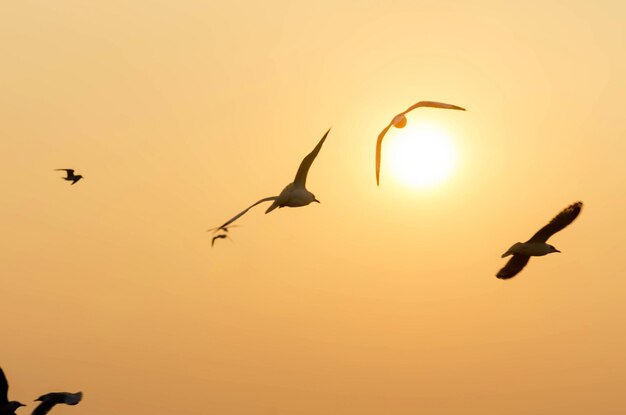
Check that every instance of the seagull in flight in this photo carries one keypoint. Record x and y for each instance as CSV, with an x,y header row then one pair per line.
x,y
294,194
220,228
6,407
399,121
70,175
50,399
537,246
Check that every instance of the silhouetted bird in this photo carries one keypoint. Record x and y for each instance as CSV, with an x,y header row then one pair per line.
x,y
70,175
222,228
221,236
295,194
399,121
537,246
50,399
6,407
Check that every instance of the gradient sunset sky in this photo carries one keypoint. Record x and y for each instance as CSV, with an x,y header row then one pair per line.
x,y
379,300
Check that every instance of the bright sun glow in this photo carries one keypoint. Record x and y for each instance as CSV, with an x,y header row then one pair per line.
x,y
420,155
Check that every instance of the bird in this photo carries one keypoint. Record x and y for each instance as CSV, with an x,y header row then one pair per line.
x,y
50,399
219,228
70,175
220,236
536,245
399,121
6,407
294,194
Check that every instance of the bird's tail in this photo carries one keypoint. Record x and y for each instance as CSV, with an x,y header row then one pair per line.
x,y
273,206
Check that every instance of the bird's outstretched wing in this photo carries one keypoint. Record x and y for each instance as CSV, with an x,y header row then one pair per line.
x,y
219,228
53,398
559,222
70,172
72,398
243,212
4,389
433,104
221,236
303,170
513,266
379,142
44,407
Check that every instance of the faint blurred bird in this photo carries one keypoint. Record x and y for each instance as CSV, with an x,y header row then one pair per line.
x,y
220,236
220,228
537,246
6,407
399,121
295,194
50,399
70,175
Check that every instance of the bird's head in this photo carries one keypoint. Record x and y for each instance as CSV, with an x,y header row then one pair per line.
x,y
13,405
514,249
553,249
399,121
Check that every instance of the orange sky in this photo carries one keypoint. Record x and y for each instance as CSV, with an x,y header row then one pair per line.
x,y
379,300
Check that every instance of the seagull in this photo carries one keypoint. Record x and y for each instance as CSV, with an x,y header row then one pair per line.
x,y
50,399
399,121
220,236
6,407
219,228
70,175
294,194
537,246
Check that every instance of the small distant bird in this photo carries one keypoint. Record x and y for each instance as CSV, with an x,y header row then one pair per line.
x,y
537,246
399,121
50,399
6,407
294,194
220,236
220,228
70,175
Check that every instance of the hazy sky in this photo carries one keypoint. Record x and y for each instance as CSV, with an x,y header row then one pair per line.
x,y
379,300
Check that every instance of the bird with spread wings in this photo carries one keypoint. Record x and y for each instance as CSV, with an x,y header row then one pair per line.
x,y
399,121
295,194
536,245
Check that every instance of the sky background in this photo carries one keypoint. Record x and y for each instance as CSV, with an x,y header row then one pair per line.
x,y
379,300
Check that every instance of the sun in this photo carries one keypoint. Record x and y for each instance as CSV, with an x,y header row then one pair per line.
x,y
420,155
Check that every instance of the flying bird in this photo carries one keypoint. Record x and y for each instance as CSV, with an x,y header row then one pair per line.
x,y
70,175
6,407
294,194
50,399
220,236
537,246
399,121
220,228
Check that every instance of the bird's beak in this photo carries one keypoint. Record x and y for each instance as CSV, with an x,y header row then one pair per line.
x,y
21,404
315,200
556,250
